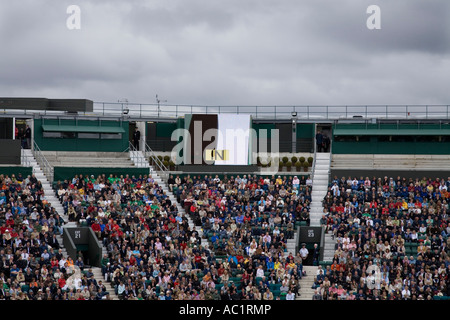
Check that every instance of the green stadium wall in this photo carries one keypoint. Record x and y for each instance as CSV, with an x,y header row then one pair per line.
x,y
411,139
78,144
63,173
25,171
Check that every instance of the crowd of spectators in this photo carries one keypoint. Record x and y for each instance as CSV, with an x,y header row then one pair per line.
x,y
154,254
392,238
264,208
32,265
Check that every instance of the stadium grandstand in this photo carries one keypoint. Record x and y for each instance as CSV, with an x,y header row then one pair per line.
x,y
125,201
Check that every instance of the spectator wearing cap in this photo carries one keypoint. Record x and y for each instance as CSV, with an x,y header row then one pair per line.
x,y
304,253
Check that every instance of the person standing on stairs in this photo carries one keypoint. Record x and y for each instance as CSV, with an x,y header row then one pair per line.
x,y
28,136
22,138
326,143
299,262
319,141
304,252
316,254
136,138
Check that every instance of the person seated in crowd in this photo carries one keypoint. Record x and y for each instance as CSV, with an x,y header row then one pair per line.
x,y
386,223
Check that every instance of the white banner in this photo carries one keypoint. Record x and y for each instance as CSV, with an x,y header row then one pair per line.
x,y
233,139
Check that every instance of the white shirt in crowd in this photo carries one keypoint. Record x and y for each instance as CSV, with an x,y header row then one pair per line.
x,y
290,296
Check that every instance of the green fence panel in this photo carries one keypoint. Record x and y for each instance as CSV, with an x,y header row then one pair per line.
x,y
63,173
25,171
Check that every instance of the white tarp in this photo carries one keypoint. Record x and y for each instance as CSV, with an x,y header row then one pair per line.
x,y
233,135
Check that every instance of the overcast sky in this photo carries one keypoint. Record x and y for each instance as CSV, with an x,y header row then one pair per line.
x,y
228,52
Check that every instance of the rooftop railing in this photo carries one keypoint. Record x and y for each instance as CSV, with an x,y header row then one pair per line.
x,y
316,112
280,112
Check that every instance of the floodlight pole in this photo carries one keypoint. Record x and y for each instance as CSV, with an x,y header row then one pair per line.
x,y
294,132
158,101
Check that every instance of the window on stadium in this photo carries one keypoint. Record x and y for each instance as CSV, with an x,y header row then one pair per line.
x,y
87,135
111,136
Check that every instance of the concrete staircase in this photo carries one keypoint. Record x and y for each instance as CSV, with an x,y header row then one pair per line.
x,y
98,276
319,187
329,247
391,162
319,191
292,244
61,245
306,292
141,161
88,159
49,193
138,159
172,198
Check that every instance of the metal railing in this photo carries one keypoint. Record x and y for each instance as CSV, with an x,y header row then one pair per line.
x,y
42,161
278,112
331,156
24,158
317,112
137,157
322,243
313,169
161,169
69,245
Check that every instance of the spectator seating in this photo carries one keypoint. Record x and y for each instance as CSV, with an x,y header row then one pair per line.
x,y
396,226
32,265
153,254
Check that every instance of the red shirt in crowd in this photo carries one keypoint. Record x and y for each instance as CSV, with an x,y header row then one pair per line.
x,y
96,227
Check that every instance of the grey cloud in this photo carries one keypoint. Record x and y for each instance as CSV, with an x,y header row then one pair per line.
x,y
258,52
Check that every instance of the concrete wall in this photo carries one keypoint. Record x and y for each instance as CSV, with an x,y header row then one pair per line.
x,y
10,151
142,127
381,173
306,155
391,162
62,173
9,170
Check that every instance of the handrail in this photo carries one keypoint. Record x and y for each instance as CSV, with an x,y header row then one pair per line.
x,y
337,112
134,155
331,155
127,149
24,159
42,161
313,171
164,171
69,245
322,243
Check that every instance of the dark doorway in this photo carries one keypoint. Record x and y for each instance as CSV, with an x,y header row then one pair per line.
x,y
21,126
6,128
325,129
285,136
132,126
83,252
